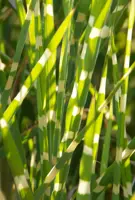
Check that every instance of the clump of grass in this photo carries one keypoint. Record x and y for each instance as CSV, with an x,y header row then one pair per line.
x,y
63,78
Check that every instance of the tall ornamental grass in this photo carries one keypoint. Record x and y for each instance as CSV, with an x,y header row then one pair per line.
x,y
65,99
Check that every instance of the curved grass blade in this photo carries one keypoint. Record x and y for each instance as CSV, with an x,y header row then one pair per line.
x,y
16,59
